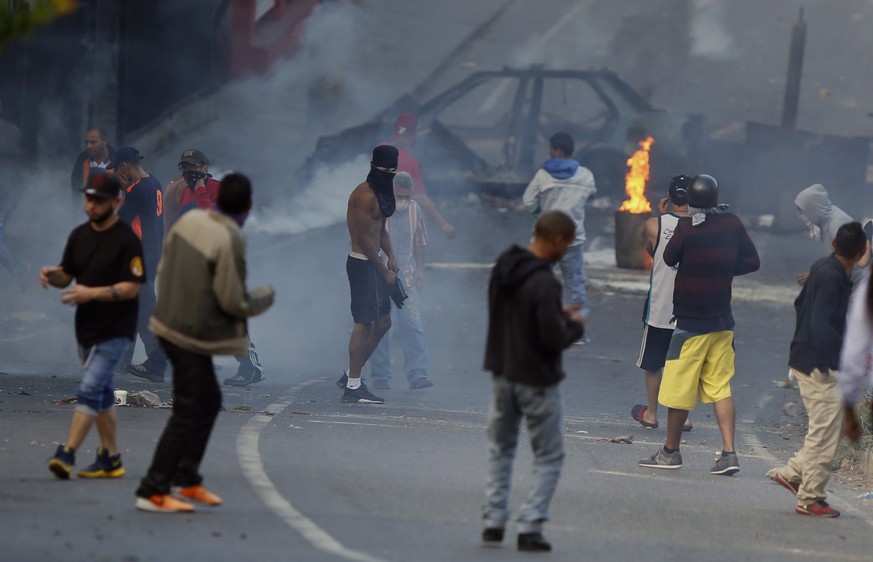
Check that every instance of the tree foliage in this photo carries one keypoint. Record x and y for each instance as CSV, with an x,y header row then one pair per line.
x,y
18,18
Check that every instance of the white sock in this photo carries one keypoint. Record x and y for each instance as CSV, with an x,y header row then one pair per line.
x,y
353,384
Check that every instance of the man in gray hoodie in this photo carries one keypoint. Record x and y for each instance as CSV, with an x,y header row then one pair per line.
x,y
823,219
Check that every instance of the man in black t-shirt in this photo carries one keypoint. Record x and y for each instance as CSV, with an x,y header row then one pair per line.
x,y
104,257
143,211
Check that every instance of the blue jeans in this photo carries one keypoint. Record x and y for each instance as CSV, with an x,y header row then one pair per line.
x,y
408,331
156,359
96,393
542,408
573,274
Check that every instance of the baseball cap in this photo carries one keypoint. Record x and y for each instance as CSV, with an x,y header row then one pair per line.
x,y
406,124
125,154
104,186
194,157
679,189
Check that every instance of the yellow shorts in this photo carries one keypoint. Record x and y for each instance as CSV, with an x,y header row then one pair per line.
x,y
698,365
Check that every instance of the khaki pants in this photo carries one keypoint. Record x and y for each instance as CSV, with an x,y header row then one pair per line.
x,y
811,467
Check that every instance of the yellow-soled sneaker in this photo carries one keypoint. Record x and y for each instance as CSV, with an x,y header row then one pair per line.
x,y
163,503
198,494
62,463
104,466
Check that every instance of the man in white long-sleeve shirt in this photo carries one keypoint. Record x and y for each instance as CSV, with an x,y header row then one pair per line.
x,y
562,184
855,357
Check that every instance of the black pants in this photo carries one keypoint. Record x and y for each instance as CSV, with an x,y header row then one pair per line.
x,y
196,402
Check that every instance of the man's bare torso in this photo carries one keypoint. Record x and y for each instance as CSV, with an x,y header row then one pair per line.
x,y
364,218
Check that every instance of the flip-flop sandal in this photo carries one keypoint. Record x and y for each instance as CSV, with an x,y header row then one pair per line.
x,y
637,414
688,427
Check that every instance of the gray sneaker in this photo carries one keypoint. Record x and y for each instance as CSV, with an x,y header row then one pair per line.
x,y
726,464
663,459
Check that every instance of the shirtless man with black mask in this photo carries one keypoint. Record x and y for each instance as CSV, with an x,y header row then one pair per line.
x,y
370,278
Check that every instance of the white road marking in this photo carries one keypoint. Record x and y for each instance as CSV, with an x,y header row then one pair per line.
x,y
328,422
253,470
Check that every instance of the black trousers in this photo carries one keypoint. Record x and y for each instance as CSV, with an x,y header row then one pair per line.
x,y
196,403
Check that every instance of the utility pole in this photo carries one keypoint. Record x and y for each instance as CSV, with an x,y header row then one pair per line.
x,y
795,71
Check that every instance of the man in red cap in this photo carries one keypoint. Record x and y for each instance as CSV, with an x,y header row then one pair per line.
x,y
405,132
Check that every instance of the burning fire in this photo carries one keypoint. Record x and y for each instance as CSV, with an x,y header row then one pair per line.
x,y
636,178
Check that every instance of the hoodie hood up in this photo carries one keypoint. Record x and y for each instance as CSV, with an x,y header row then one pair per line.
x,y
561,168
815,203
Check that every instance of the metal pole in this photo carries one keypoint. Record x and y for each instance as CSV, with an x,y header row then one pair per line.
x,y
795,71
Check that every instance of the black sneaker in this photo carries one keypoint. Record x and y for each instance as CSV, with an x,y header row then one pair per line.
x,y
143,372
361,395
533,542
248,373
493,534
343,381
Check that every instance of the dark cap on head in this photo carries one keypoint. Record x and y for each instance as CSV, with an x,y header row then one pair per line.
x,y
385,156
194,157
125,154
104,186
679,189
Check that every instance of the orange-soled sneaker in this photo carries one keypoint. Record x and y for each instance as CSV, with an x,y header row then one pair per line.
x,y
817,509
163,503
198,494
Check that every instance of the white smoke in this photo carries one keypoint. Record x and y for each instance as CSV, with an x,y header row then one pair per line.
x,y
322,203
709,33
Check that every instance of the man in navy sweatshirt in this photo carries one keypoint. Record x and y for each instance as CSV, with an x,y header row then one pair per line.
x,y
528,330
710,247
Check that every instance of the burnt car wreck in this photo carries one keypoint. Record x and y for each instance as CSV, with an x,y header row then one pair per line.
x,y
489,133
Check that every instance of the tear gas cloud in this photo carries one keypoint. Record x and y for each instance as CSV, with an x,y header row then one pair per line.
x,y
704,56
321,203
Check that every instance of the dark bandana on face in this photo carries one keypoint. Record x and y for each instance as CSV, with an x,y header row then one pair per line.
x,y
380,180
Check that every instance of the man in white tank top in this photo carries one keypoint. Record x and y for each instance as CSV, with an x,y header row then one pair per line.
x,y
658,322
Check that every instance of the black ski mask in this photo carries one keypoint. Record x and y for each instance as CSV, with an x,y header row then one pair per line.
x,y
381,180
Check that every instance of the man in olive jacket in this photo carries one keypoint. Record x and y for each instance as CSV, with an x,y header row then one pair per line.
x,y
201,311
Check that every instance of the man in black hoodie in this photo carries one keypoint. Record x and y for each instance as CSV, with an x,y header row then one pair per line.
x,y
527,331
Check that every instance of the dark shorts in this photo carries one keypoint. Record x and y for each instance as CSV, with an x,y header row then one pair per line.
x,y
370,299
653,351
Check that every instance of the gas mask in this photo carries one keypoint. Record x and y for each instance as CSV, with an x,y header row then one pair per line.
x,y
193,176
402,205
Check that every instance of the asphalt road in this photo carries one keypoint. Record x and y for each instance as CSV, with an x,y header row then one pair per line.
x,y
305,477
